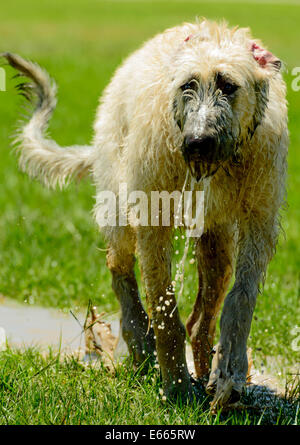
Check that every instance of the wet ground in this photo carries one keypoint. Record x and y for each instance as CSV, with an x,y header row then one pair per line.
x,y
25,325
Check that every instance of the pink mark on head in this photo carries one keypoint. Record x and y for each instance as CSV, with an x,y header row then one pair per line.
x,y
264,57
188,38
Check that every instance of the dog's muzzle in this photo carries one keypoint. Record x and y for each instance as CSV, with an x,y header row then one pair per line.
x,y
203,155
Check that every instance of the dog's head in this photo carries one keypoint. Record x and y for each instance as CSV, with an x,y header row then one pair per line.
x,y
220,96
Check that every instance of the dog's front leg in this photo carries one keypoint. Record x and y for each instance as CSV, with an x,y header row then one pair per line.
x,y
154,250
230,363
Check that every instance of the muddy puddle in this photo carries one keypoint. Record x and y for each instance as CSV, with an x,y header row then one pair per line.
x,y
26,326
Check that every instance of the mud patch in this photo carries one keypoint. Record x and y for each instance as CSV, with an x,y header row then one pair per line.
x,y
31,326
27,326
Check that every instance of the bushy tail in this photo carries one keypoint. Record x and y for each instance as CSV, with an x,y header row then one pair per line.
x,y
41,157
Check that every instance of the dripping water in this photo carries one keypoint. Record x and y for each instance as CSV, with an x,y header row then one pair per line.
x,y
179,275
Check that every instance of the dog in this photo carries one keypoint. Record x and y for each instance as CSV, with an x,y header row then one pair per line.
x,y
201,103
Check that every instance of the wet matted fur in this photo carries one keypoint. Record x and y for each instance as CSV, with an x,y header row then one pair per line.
x,y
201,97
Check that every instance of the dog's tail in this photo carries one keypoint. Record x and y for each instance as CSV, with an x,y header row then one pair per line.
x,y
41,157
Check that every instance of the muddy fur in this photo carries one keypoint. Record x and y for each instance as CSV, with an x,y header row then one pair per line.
x,y
173,87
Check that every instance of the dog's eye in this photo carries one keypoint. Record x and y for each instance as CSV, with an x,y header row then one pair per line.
x,y
228,88
188,86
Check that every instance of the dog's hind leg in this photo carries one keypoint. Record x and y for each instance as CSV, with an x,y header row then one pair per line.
x,y
134,320
214,252
154,249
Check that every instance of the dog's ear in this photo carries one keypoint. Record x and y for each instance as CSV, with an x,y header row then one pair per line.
x,y
268,65
265,58
261,88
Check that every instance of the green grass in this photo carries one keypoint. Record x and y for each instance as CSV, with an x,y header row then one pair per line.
x,y
50,249
38,390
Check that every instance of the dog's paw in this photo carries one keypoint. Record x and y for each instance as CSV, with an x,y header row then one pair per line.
x,y
227,393
182,391
226,382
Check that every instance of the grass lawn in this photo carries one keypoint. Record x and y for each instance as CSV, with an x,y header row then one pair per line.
x,y
38,390
50,248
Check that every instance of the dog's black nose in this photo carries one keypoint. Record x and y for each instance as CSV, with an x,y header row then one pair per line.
x,y
203,148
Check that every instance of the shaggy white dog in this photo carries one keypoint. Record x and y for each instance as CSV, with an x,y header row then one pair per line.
x,y
201,98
